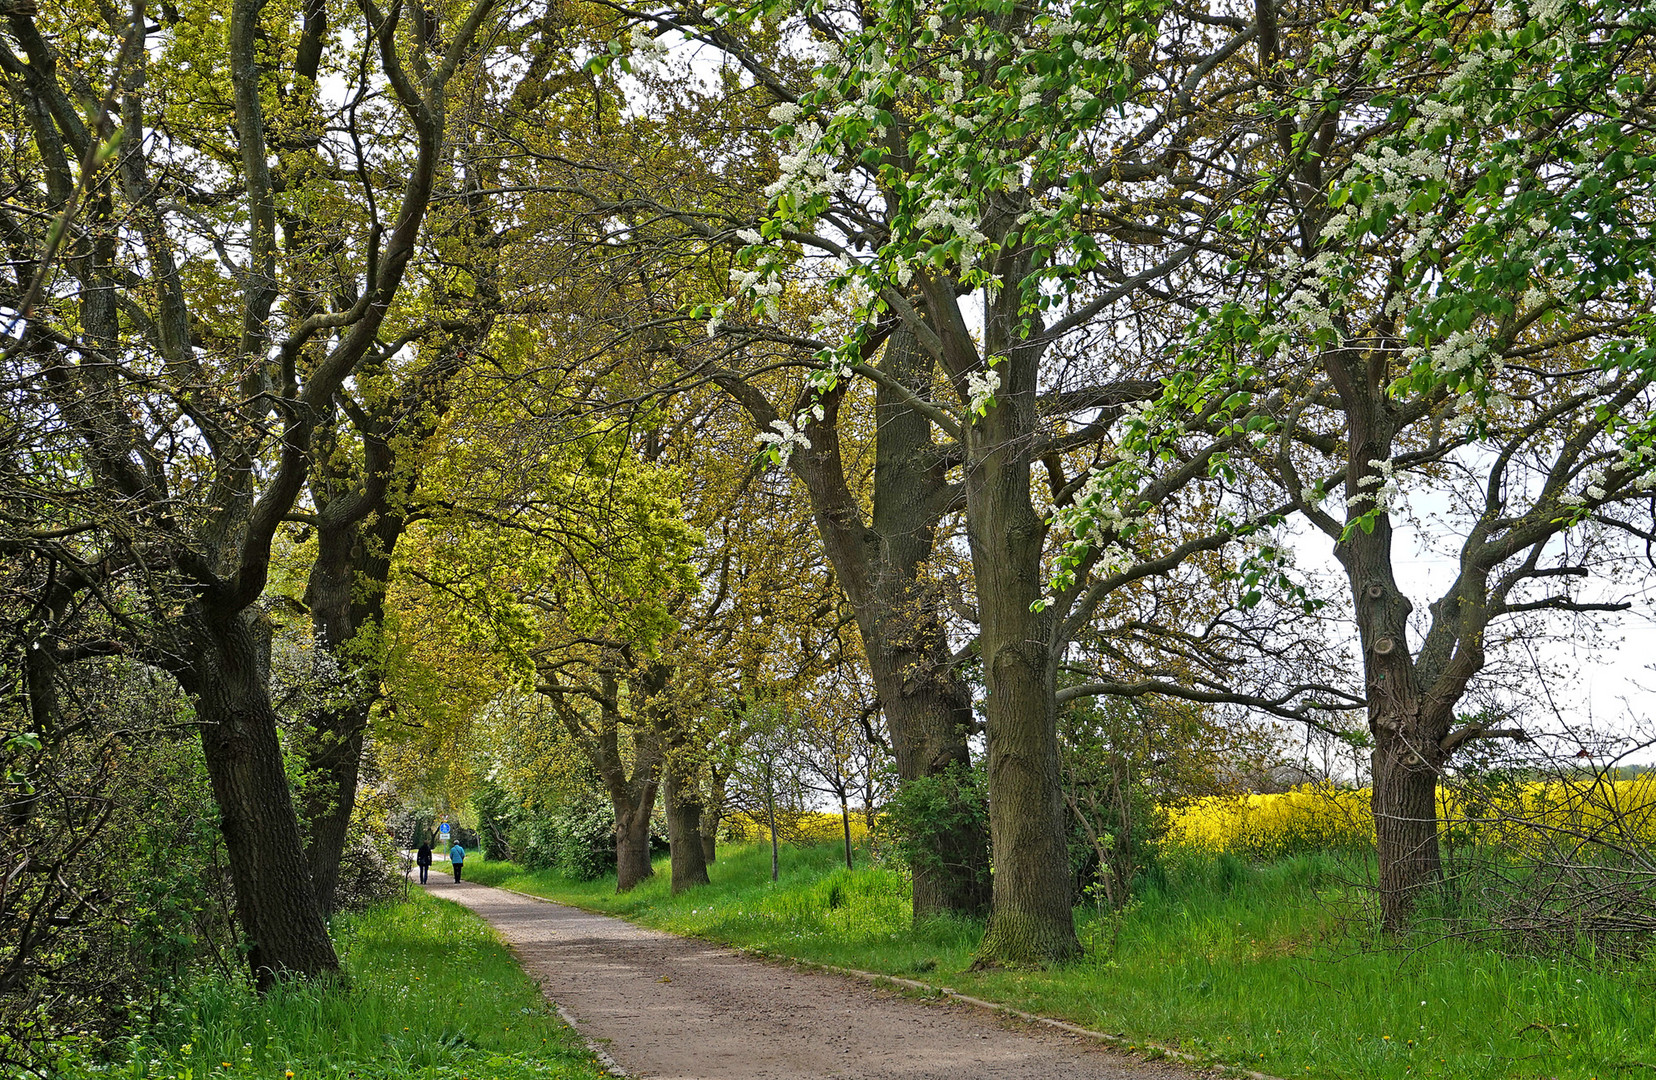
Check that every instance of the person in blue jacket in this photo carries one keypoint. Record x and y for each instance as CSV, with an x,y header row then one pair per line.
x,y
457,856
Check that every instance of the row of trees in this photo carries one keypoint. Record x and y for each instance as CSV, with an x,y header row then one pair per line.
x,y
424,333
1164,278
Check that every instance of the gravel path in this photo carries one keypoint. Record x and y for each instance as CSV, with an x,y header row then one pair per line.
x,y
679,1009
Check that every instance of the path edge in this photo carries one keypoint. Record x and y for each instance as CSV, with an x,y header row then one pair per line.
x,y
1151,1051
609,1063
594,1047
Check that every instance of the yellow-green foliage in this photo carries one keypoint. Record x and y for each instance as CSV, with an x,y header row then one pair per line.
x,y
796,827
1323,817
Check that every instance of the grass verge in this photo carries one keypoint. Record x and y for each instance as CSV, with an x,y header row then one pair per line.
x,y
431,994
1251,966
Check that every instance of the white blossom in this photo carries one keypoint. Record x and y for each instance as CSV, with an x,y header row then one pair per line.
x,y
784,440
981,387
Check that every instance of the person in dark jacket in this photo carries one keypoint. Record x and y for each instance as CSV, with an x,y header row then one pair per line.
x,y
423,857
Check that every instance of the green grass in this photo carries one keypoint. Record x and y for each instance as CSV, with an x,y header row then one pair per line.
x,y
1262,967
431,994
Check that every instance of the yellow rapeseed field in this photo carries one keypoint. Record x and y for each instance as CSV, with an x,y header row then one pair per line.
x,y
808,827
1324,817
1318,817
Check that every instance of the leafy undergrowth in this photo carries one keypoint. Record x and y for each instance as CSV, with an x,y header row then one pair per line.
x,y
431,994
1265,967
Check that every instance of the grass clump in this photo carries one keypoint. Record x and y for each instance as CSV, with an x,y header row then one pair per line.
x,y
1254,964
429,993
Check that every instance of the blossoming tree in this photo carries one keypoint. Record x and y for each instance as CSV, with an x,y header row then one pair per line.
x,y
1003,206
1451,243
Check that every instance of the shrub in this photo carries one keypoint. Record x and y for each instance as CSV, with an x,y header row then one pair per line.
x,y
952,802
497,816
576,839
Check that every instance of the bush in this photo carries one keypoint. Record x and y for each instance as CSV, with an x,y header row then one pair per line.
x,y
583,841
953,802
113,803
371,867
498,814
576,839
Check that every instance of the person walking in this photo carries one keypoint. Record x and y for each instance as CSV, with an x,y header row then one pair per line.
x,y
423,857
457,856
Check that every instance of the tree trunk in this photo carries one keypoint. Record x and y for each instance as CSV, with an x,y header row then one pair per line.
x,y
275,898
710,834
632,842
1031,922
713,812
345,593
332,749
770,806
684,836
928,708
1405,829
1407,725
845,820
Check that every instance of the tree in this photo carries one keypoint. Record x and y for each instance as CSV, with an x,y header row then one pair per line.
x,y
163,343
653,218
1038,166
366,471
1452,230
569,555
835,751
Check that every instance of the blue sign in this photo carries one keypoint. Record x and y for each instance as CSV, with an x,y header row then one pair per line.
x,y
443,828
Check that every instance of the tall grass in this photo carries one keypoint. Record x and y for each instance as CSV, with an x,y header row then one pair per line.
x,y
1256,965
430,993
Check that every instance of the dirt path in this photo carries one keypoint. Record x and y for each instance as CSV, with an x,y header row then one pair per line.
x,y
678,1009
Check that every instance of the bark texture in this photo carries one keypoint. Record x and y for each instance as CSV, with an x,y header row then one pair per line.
x,y
275,898
1408,730
632,839
927,707
1031,922
684,836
